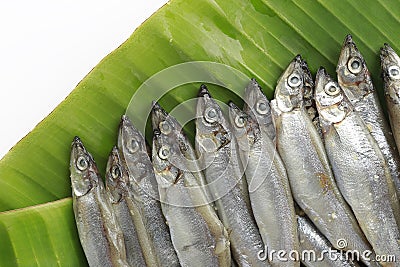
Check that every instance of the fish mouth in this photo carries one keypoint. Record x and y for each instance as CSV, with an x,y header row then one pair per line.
x,y
233,110
125,121
124,127
320,80
113,159
348,39
320,73
203,98
388,57
77,146
115,153
385,51
232,105
158,114
252,94
203,91
349,49
385,55
77,141
208,112
298,58
78,149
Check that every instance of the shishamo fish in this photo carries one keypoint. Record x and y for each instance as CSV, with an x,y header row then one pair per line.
x,y
268,185
99,232
316,250
390,64
257,106
186,159
355,80
303,153
199,237
308,96
117,182
144,198
224,174
360,168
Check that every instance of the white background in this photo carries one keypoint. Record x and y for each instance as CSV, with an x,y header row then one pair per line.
x,y
47,47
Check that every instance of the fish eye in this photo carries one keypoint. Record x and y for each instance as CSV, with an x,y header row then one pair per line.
x,y
240,121
81,163
294,80
133,146
262,107
394,72
165,127
210,115
332,89
115,172
163,153
354,65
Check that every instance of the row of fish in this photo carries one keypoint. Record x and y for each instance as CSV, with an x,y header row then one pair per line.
x,y
316,166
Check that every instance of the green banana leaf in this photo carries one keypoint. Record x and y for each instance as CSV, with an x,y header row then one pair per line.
x,y
256,37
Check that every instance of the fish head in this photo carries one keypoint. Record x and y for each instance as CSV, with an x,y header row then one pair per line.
x,y
172,131
243,127
162,121
130,141
308,96
116,176
167,173
330,99
256,104
308,85
212,130
390,64
353,74
84,172
290,88
133,151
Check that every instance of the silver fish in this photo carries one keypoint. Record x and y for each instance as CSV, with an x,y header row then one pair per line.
x,y
268,183
360,169
310,176
224,174
314,246
197,234
257,105
144,198
187,158
390,64
117,182
308,96
99,232
355,80
308,86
